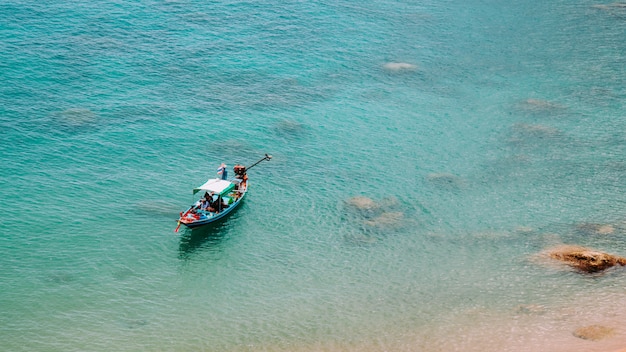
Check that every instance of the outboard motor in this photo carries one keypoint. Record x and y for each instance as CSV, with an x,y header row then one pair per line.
x,y
239,170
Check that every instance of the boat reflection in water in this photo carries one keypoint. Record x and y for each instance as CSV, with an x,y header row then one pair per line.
x,y
209,238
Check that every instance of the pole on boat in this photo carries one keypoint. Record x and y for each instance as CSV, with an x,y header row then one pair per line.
x,y
266,157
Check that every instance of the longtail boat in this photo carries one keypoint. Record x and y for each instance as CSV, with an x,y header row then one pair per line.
x,y
218,197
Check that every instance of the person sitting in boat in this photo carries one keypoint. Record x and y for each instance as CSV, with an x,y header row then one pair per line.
x,y
198,204
244,182
220,204
215,204
224,203
204,204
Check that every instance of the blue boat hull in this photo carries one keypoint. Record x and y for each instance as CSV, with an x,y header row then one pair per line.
x,y
211,217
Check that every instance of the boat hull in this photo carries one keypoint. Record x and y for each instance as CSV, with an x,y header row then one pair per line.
x,y
210,217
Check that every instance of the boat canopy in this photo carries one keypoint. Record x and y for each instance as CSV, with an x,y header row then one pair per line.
x,y
215,185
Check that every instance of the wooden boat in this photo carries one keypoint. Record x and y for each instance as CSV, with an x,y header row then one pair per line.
x,y
218,197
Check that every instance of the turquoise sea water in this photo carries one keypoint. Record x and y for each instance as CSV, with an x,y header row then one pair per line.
x,y
501,133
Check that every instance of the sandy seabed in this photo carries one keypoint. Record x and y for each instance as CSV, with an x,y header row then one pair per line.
x,y
531,328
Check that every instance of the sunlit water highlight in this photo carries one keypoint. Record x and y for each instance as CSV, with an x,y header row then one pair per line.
x,y
486,132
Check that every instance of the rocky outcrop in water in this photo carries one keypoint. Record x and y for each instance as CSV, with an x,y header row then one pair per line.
x,y
584,259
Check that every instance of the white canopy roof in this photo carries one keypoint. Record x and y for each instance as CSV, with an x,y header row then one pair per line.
x,y
216,185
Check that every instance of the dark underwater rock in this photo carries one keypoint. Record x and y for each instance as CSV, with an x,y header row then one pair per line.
x,y
595,229
78,117
445,181
385,219
290,127
535,131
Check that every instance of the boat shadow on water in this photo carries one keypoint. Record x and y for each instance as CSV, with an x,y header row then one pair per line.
x,y
210,236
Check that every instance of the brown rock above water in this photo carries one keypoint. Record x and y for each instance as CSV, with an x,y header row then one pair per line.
x,y
584,259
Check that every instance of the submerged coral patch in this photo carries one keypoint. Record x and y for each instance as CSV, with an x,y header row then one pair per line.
x,y
595,229
289,128
445,181
594,332
362,203
385,219
372,218
535,130
75,120
539,105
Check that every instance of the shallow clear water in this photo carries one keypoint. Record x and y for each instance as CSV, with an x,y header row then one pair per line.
x,y
501,135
